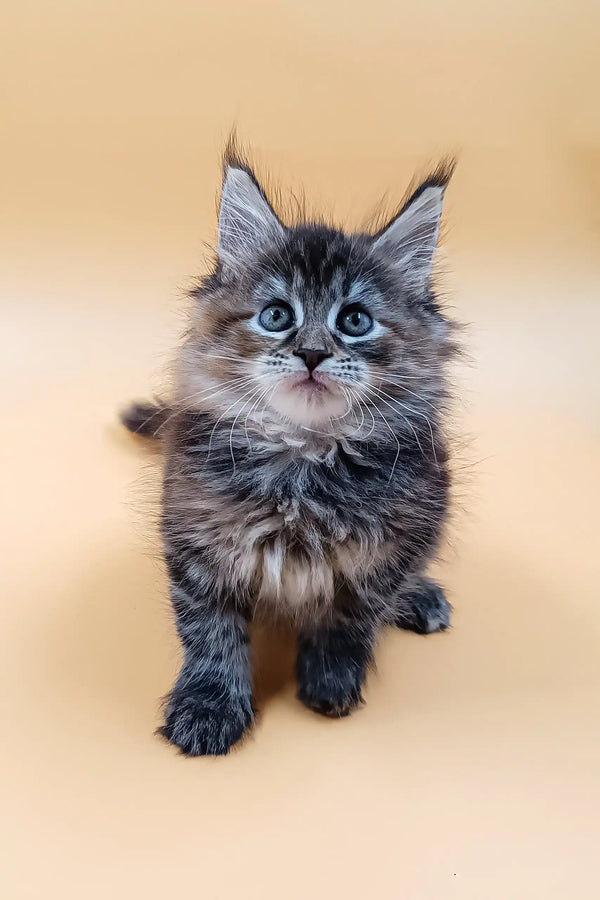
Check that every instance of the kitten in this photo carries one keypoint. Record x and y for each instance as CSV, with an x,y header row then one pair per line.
x,y
306,474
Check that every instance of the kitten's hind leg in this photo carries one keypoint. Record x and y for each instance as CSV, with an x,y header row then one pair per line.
x,y
422,606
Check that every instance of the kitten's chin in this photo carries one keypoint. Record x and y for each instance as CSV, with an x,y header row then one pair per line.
x,y
308,402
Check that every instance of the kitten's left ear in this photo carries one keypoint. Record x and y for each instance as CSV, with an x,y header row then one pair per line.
x,y
410,238
247,221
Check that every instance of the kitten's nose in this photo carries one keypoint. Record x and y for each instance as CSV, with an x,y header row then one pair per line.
x,y
312,358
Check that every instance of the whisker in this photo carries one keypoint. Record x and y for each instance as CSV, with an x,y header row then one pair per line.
x,y
349,392
198,395
406,390
253,394
249,413
389,427
364,402
221,417
266,403
408,422
416,413
236,359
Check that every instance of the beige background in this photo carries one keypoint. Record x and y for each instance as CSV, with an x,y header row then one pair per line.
x,y
473,771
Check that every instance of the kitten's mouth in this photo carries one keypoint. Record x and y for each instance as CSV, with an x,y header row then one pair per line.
x,y
309,398
310,384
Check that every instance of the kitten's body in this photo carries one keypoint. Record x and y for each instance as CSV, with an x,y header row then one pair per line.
x,y
292,524
318,496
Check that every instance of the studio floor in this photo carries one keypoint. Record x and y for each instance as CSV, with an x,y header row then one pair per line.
x,y
473,770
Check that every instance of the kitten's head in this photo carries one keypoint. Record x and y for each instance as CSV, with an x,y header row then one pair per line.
x,y
320,328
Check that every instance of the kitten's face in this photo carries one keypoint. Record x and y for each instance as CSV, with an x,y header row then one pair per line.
x,y
314,314
316,326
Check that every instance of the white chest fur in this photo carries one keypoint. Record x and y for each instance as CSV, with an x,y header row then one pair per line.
x,y
293,581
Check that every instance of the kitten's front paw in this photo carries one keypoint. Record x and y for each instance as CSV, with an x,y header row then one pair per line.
x,y
424,609
333,689
202,726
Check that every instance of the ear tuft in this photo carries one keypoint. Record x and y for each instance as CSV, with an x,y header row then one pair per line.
x,y
247,221
410,238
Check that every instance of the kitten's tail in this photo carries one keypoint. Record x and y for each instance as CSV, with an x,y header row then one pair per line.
x,y
145,419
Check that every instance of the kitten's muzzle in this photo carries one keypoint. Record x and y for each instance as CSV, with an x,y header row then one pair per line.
x,y
312,358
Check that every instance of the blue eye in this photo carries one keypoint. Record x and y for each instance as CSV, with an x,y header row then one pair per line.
x,y
354,321
276,317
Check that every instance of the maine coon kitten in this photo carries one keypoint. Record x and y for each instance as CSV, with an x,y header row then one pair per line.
x,y
306,467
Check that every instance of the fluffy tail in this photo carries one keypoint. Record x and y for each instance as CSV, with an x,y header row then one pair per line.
x,y
145,419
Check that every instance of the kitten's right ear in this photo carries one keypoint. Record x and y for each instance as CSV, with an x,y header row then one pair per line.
x,y
247,221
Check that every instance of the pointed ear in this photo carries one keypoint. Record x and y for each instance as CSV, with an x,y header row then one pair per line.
x,y
410,238
246,219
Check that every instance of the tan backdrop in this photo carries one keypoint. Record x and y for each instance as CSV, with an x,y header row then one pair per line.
x,y
473,771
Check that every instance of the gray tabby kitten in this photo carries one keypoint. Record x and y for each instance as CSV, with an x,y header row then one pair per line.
x,y
306,472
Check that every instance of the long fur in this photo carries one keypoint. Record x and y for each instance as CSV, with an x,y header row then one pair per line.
x,y
322,508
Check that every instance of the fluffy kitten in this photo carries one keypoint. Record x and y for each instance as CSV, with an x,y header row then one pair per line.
x,y
306,467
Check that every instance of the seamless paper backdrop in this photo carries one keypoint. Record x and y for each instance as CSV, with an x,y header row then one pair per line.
x,y
473,771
